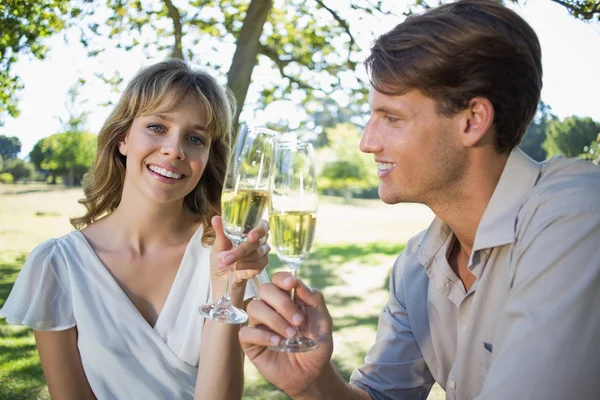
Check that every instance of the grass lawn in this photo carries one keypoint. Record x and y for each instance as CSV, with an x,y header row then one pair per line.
x,y
355,247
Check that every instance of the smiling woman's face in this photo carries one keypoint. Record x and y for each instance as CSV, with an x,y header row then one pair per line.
x,y
167,151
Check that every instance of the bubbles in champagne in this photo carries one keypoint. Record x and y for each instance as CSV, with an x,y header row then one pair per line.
x,y
292,234
242,210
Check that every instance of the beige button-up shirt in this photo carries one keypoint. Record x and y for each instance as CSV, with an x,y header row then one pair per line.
x,y
529,328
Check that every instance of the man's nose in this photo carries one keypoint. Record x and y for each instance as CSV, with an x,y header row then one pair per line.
x,y
369,142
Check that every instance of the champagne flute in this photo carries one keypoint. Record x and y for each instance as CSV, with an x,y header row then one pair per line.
x,y
293,216
243,203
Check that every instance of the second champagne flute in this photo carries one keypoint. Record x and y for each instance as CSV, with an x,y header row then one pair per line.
x,y
293,216
243,203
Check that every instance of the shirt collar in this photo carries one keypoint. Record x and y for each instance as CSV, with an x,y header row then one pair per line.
x,y
497,225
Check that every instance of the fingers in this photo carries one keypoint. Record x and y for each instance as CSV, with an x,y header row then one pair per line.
x,y
221,242
261,231
258,336
309,297
253,249
264,315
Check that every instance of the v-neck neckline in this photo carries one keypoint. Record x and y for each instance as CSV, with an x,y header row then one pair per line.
x,y
120,290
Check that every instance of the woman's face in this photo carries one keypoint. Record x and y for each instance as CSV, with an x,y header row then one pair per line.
x,y
167,152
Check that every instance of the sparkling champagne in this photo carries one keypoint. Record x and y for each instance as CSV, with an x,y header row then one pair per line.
x,y
242,211
293,233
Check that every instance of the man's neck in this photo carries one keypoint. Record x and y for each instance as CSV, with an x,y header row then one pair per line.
x,y
463,209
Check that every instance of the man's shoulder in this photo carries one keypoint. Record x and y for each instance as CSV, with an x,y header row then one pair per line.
x,y
567,183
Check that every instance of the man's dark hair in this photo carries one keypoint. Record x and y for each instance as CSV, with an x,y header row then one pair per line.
x,y
458,51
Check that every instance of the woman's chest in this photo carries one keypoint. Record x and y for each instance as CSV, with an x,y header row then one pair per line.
x,y
146,280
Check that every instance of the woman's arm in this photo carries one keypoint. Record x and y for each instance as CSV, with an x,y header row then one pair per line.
x,y
61,363
221,369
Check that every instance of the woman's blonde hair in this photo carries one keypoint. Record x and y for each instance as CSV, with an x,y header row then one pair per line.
x,y
103,184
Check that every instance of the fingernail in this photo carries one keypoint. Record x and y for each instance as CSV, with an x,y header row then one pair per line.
x,y
297,319
288,281
274,339
290,332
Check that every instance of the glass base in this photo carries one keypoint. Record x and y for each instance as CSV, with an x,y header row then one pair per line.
x,y
298,344
227,315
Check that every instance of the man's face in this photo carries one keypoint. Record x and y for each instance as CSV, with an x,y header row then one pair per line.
x,y
418,151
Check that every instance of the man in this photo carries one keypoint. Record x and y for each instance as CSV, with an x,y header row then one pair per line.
x,y
500,297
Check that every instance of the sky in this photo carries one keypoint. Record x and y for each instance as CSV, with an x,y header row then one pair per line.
x,y
570,57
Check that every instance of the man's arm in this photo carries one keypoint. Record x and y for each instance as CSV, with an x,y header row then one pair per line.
x,y
307,375
546,343
394,367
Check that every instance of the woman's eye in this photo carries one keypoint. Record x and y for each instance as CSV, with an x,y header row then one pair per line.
x,y
156,128
195,140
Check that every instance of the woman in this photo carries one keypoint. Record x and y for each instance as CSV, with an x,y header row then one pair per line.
x,y
114,305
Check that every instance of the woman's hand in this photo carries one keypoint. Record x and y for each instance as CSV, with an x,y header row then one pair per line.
x,y
251,256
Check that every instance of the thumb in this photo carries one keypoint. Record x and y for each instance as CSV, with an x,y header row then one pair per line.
x,y
221,242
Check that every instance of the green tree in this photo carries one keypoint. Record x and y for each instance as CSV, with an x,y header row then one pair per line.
x,y
570,136
345,169
70,154
536,133
306,48
585,10
23,27
1,164
592,152
19,169
10,147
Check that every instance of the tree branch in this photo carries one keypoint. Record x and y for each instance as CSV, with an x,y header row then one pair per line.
x,y
343,24
173,13
578,10
281,64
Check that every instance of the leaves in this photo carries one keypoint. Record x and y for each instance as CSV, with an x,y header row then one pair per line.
x,y
23,27
570,136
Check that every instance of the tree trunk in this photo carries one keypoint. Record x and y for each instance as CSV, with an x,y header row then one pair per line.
x,y
175,16
246,53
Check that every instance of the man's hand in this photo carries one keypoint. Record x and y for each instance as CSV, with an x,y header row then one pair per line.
x,y
273,317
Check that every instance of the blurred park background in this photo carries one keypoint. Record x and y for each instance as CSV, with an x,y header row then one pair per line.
x,y
292,65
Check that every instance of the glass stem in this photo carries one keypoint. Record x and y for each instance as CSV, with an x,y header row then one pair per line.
x,y
295,275
293,296
225,301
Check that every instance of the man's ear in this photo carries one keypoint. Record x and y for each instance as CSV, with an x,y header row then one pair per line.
x,y
477,120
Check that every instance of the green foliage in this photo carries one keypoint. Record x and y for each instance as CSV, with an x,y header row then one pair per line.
x,y
570,136
19,169
592,152
9,146
586,10
536,133
308,45
23,27
69,153
348,170
6,177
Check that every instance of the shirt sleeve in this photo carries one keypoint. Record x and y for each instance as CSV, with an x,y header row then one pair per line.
x,y
546,343
40,297
394,367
